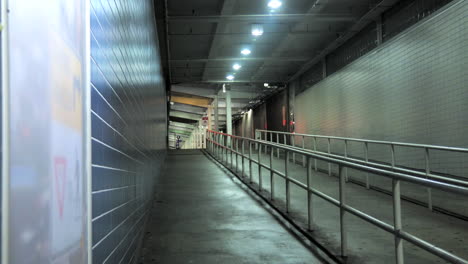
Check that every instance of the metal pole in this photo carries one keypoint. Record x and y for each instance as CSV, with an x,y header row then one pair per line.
x,y
329,151
286,161
250,161
260,171
346,155
231,149
310,219
271,139
315,149
258,146
293,143
428,171
397,222
366,152
344,237
303,147
237,155
243,154
277,141
272,184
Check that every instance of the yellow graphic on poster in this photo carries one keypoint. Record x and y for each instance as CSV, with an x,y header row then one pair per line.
x,y
66,78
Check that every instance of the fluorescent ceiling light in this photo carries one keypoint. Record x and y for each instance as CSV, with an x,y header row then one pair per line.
x,y
246,52
274,4
230,77
236,66
257,30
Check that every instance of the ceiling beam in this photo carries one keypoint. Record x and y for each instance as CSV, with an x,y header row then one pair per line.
x,y
270,59
196,101
227,10
314,9
244,34
258,18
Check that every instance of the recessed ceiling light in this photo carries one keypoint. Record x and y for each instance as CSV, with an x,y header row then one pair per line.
x,y
257,30
236,66
230,77
246,52
274,4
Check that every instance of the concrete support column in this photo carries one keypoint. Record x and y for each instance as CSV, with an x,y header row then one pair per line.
x,y
210,119
216,114
228,113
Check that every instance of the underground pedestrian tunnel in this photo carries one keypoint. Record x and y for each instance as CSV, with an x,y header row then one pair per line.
x,y
234,131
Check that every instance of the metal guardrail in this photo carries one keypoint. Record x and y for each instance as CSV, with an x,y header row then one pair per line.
x,y
222,146
426,173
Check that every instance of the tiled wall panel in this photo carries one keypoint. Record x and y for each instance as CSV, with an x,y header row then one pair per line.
x,y
128,124
411,89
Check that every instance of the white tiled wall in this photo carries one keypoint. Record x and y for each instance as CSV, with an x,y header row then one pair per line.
x,y
413,88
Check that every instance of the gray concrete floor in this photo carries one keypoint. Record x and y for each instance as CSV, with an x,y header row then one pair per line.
x,y
201,215
367,244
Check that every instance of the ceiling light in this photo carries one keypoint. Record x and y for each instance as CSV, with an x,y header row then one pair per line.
x,y
230,77
236,66
274,4
246,52
265,84
257,30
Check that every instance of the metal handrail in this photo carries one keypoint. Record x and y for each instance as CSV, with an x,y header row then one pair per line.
x,y
221,143
427,173
395,143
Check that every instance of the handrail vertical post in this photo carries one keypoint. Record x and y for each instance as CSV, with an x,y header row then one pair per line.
x,y
315,149
250,161
343,229
346,155
366,153
260,171
286,175
310,219
231,148
242,156
277,141
272,184
237,154
226,149
271,139
218,148
428,171
284,140
293,143
303,156
329,152
397,221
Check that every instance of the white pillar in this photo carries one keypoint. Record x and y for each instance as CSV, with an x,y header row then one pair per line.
x,y
228,113
216,114
210,126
